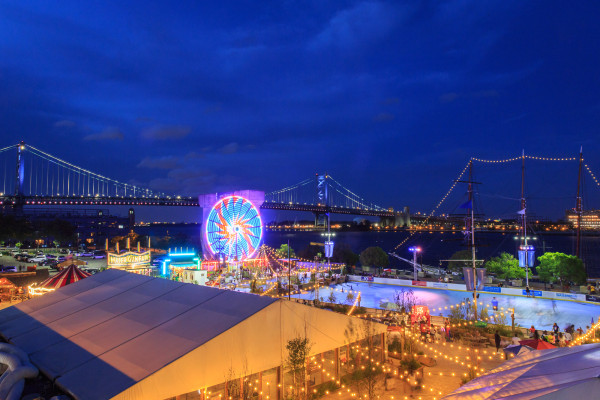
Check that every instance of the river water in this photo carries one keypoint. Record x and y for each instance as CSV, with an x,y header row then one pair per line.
x,y
436,246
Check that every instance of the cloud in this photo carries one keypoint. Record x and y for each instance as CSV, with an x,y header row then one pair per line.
x,y
166,132
230,148
111,133
193,155
383,117
65,123
165,162
451,96
361,24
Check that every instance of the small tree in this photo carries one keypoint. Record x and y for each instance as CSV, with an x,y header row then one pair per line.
x,y
350,298
505,267
562,268
374,256
367,372
282,252
405,299
18,245
463,258
298,351
332,299
56,243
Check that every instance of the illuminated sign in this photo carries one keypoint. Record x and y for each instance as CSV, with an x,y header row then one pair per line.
x,y
129,259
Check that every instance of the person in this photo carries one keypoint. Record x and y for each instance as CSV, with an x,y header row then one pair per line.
x,y
536,335
568,337
527,291
516,340
579,331
555,331
495,304
497,340
531,331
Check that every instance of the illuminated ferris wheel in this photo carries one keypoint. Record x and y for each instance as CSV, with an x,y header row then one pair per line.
x,y
233,228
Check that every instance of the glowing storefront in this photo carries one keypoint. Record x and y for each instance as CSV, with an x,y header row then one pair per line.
x,y
137,262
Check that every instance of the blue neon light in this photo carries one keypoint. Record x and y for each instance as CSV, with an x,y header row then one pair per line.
x,y
181,254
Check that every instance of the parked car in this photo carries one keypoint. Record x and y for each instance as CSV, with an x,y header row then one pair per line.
x,y
8,268
21,256
84,254
64,251
99,254
37,259
61,259
51,256
49,262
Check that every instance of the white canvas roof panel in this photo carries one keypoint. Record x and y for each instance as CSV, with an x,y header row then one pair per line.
x,y
127,336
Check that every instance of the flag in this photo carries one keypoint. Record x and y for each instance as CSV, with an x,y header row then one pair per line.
x,y
522,212
469,278
468,204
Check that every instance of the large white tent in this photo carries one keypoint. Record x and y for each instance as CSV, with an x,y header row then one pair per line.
x,y
555,374
126,336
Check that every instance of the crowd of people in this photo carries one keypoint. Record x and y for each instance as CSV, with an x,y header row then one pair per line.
x,y
555,336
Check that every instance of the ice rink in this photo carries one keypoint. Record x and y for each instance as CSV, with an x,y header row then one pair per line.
x,y
541,313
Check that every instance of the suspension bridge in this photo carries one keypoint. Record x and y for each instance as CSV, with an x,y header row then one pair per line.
x,y
33,177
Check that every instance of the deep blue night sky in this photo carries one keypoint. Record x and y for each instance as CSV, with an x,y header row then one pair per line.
x,y
391,98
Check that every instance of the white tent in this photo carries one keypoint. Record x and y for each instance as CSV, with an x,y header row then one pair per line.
x,y
562,373
126,336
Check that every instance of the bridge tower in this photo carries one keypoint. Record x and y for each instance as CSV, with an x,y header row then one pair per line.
x,y
322,198
19,178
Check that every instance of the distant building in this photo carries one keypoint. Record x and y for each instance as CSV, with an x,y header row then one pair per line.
x,y
93,226
590,219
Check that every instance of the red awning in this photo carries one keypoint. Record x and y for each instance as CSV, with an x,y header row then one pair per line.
x,y
67,276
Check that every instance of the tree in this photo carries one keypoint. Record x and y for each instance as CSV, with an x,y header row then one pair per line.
x,y
298,351
374,256
342,253
465,261
505,267
366,371
562,268
282,252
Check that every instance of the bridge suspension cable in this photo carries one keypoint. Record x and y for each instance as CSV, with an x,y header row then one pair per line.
x,y
74,180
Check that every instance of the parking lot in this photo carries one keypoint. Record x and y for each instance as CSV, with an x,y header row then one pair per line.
x,y
95,264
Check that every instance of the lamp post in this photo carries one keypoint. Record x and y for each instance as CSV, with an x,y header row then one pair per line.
x,y
415,250
526,258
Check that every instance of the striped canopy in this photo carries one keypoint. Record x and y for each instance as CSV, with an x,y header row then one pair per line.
x,y
66,276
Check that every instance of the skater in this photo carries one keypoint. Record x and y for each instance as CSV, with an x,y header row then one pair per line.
x,y
495,304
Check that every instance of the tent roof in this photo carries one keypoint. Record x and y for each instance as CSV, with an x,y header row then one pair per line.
x,y
537,344
112,325
6,282
69,275
71,261
539,374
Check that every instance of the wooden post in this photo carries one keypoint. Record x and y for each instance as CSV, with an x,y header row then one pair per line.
x,y
383,347
279,383
337,363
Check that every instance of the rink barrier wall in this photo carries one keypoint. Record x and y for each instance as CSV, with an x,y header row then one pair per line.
x,y
544,294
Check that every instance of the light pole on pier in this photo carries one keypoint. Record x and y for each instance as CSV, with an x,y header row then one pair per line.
x,y
415,250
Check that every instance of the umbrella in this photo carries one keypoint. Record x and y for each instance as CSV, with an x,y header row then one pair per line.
x,y
537,344
562,373
517,349
67,276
